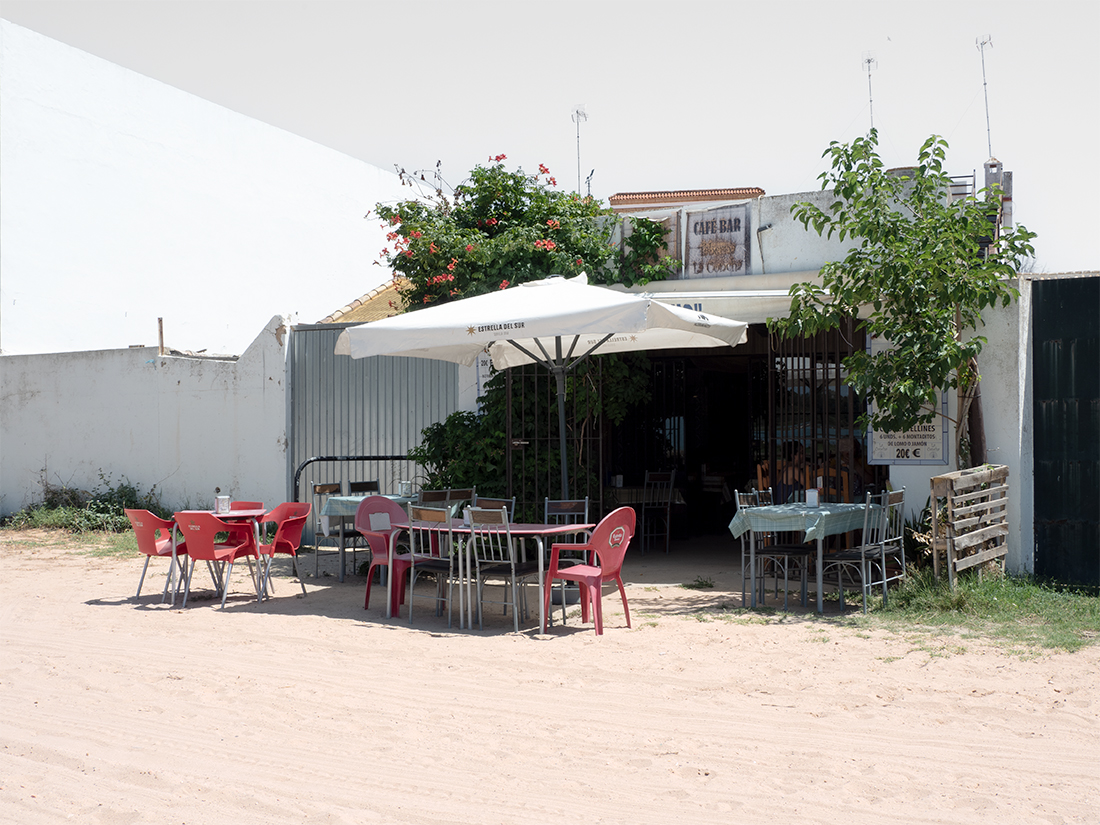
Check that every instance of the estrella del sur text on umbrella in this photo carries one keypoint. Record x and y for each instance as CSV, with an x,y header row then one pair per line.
x,y
500,327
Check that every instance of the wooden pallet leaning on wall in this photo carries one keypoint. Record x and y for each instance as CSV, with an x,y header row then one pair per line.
x,y
975,529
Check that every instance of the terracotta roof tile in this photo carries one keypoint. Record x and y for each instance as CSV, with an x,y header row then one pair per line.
x,y
381,302
629,199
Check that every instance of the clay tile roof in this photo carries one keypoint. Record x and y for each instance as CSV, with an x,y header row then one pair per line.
x,y
629,199
381,302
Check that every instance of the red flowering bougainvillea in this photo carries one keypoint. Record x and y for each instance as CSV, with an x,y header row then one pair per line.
x,y
490,233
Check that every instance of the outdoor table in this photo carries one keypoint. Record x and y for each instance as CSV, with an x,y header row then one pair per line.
x,y
343,508
253,515
538,532
827,519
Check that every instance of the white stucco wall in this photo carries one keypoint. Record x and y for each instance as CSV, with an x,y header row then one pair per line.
x,y
124,200
784,252
185,424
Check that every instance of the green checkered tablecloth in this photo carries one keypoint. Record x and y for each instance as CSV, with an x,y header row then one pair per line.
x,y
827,519
344,507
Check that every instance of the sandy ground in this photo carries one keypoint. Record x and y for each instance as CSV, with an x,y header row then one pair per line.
x,y
310,710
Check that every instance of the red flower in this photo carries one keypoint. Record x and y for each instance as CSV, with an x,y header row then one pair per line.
x,y
391,236
414,234
469,247
499,158
491,222
451,265
503,284
553,224
396,219
385,250
546,244
408,253
553,182
579,262
543,170
431,248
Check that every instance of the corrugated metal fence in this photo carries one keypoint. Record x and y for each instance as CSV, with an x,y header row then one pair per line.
x,y
342,406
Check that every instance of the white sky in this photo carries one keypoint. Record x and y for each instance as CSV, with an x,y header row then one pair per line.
x,y
678,94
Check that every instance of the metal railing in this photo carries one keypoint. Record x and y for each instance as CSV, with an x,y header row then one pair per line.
x,y
316,458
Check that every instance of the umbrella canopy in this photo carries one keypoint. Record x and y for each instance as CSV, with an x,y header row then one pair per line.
x,y
556,322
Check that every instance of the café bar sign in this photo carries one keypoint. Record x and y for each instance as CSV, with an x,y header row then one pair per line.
x,y
718,242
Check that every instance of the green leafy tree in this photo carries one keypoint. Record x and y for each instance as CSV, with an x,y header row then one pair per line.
x,y
925,267
501,228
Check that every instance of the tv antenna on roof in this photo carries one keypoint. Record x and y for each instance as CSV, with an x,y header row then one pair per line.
x,y
981,42
577,116
870,63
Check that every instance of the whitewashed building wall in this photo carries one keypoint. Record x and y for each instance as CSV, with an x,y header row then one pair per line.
x,y
185,424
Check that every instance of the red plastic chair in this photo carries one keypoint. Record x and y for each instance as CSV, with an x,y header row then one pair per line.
x,y
289,520
200,528
146,526
243,505
379,537
609,543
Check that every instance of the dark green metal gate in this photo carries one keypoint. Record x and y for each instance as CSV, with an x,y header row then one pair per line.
x,y
1066,397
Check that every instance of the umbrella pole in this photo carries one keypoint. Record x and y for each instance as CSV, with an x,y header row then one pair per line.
x,y
559,375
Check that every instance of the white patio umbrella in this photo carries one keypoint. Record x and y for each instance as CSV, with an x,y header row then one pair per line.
x,y
556,322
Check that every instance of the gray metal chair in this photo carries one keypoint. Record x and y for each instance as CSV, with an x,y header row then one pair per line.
x,y
880,558
453,499
434,550
778,555
745,500
492,555
657,507
495,504
568,511
321,493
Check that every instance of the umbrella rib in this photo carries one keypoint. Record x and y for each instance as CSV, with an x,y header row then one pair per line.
x,y
547,360
594,347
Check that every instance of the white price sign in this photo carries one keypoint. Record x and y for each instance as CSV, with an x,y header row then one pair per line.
x,y
922,444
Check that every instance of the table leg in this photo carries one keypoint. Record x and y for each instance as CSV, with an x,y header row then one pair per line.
x,y
820,574
390,577
172,573
542,585
752,566
342,557
470,585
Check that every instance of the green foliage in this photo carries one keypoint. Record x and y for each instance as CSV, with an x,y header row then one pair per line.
x,y
462,451
78,511
700,583
1016,610
917,537
467,449
922,273
502,228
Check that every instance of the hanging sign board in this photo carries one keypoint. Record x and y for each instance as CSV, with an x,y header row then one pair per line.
x,y
922,444
718,242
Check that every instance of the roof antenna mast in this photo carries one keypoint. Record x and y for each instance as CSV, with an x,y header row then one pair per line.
x,y
577,116
870,62
981,42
